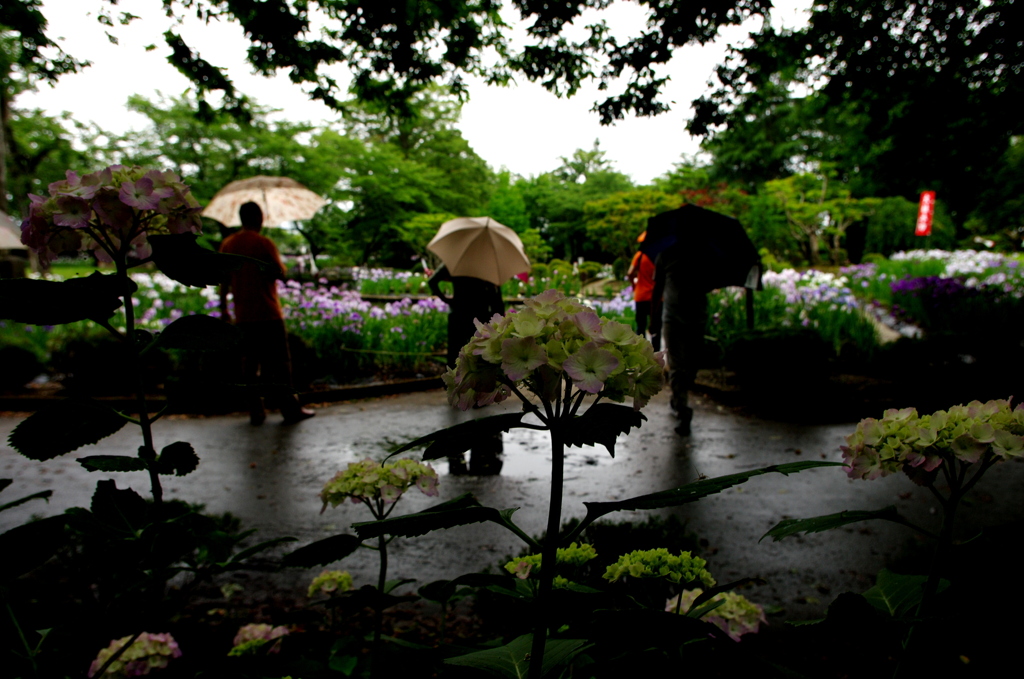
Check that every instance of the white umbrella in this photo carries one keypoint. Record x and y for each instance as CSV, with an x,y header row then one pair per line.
x,y
480,247
281,199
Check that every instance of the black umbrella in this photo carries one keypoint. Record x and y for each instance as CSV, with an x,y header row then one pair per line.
x,y
717,247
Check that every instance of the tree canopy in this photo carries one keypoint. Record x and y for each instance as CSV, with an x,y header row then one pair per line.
x,y
397,47
904,95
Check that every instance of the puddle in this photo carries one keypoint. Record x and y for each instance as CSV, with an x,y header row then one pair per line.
x,y
527,453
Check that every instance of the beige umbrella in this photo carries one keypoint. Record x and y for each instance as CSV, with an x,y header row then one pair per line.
x,y
281,199
10,233
480,247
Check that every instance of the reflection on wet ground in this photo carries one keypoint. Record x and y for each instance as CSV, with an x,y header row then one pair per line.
x,y
270,477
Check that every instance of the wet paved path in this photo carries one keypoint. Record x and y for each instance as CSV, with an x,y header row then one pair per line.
x,y
269,477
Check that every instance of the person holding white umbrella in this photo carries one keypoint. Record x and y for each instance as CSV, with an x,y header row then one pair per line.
x,y
479,254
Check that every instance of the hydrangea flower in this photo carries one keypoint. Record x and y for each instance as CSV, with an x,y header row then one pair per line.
x,y
902,439
575,554
147,653
554,337
109,212
251,637
736,617
329,582
660,563
367,480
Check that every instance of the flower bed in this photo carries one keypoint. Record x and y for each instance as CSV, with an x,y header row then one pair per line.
x,y
960,292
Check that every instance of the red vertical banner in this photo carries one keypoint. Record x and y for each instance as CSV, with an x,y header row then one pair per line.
x,y
925,210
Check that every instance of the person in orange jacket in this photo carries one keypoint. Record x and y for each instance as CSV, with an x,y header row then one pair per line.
x,y
641,276
258,316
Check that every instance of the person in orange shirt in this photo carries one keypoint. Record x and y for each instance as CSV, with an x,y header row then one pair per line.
x,y
258,316
641,275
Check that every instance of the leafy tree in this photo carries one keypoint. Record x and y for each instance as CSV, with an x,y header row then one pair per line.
x,y
1000,211
890,228
556,200
395,48
617,221
40,152
397,168
27,56
695,183
419,229
818,212
508,206
906,82
213,151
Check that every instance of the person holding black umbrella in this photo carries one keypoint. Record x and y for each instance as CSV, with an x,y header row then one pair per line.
x,y
695,250
680,315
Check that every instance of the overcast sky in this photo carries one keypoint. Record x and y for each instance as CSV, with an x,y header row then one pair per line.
x,y
522,128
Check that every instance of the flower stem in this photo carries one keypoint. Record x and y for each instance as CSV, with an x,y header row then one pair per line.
x,y
378,609
549,553
147,452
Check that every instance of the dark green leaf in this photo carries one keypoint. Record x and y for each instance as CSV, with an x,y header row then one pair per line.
x,y
178,458
343,664
112,463
817,524
40,302
391,585
236,560
368,596
322,552
705,608
199,333
63,427
183,259
898,595
512,660
602,424
709,594
459,438
643,628
691,492
30,545
41,495
118,509
443,590
460,511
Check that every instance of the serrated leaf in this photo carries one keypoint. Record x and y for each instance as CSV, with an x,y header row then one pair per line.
x,y
818,524
898,595
690,492
39,302
602,424
199,332
459,438
41,495
112,463
63,427
460,511
184,260
29,545
322,552
513,660
177,458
